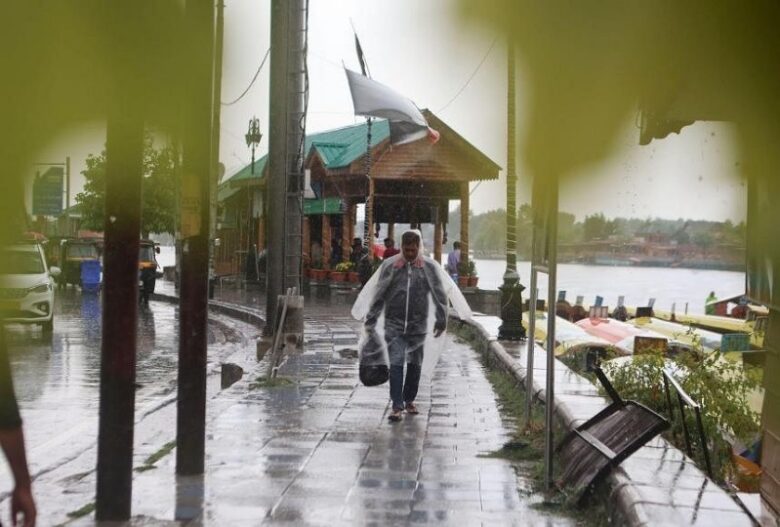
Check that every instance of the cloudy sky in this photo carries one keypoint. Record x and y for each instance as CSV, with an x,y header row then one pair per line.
x,y
423,50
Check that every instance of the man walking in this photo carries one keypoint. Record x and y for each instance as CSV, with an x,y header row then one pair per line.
x,y
407,285
453,261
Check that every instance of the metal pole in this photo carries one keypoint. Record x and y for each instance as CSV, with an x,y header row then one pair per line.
x,y
193,295
529,364
551,232
124,159
511,174
703,438
277,165
67,195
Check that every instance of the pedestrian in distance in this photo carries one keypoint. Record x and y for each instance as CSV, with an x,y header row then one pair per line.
x,y
390,248
405,302
453,261
12,443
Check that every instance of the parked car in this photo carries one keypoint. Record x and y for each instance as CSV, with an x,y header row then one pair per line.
x,y
27,286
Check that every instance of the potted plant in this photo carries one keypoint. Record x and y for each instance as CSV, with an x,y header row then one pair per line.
x,y
352,274
317,272
473,278
463,274
340,273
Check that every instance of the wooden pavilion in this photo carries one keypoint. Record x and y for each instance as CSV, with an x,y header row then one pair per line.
x,y
413,184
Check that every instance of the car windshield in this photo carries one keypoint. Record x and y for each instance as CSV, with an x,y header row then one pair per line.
x,y
20,262
82,250
146,253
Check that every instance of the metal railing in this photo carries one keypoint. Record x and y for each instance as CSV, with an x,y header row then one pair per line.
x,y
683,400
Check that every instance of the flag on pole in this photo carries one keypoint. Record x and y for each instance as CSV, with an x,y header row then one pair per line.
x,y
373,99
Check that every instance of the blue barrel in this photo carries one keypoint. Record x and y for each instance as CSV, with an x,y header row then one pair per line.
x,y
90,276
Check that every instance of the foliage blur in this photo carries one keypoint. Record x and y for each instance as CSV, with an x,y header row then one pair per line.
x,y
74,61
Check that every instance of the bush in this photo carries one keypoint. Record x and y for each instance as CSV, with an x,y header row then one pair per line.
x,y
720,386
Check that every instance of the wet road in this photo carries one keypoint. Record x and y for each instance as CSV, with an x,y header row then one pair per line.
x,y
57,382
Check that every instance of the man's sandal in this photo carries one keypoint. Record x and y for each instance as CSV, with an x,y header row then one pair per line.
x,y
395,415
411,409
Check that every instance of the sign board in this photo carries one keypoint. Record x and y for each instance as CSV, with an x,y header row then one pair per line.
x,y
47,192
562,295
599,301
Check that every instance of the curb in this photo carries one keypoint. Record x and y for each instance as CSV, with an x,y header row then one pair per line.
x,y
629,501
242,313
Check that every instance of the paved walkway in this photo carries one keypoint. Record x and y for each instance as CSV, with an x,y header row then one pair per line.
x,y
320,451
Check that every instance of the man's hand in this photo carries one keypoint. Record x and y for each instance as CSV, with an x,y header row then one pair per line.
x,y
22,503
439,328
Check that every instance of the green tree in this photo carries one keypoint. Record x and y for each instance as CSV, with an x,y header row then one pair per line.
x,y
594,227
159,193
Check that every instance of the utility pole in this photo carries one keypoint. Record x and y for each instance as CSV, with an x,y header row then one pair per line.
x,y
193,294
285,154
511,291
215,129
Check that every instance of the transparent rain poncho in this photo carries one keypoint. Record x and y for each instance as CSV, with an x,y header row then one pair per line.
x,y
402,307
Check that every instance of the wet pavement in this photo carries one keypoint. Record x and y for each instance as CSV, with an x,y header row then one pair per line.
x,y
313,452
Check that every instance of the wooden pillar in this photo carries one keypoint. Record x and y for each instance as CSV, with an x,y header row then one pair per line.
x,y
391,231
352,220
464,222
326,239
307,242
437,237
346,229
260,233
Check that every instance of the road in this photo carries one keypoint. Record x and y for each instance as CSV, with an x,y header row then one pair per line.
x,y
57,386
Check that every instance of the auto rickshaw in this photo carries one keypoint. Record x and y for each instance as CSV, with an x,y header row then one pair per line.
x,y
148,269
72,252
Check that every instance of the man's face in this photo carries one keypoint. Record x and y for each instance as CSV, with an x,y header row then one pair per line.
x,y
411,250
388,244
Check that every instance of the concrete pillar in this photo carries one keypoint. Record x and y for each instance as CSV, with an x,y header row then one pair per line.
x,y
464,222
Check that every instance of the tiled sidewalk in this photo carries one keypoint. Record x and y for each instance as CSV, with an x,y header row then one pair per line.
x,y
320,451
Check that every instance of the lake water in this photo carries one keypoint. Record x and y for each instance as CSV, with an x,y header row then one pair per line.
x,y
637,284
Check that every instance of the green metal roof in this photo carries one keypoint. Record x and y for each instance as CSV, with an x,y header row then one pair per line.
x,y
225,190
337,148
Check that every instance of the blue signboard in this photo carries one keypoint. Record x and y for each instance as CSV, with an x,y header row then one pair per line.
x,y
47,192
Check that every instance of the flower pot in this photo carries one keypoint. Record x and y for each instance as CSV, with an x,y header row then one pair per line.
x,y
319,274
473,281
463,281
353,277
338,276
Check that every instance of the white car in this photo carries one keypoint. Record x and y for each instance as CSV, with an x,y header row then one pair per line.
x,y
27,286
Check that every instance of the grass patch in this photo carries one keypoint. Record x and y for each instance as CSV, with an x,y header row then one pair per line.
x,y
150,461
525,449
264,382
87,509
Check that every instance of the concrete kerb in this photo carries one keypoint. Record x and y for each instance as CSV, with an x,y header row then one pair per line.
x,y
625,502
235,311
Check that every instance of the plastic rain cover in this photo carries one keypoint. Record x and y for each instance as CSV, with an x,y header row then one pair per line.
x,y
402,306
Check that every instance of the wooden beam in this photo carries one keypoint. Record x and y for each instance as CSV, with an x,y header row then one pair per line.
x,y
346,229
437,240
464,223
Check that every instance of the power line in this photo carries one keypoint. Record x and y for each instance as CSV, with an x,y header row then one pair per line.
x,y
257,73
471,77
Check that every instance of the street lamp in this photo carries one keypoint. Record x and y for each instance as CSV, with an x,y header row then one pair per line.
x,y
253,137
511,291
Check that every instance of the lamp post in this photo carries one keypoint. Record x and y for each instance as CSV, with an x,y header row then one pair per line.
x,y
511,291
253,137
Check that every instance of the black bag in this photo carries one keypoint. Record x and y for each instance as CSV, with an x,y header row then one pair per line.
x,y
374,375
374,369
